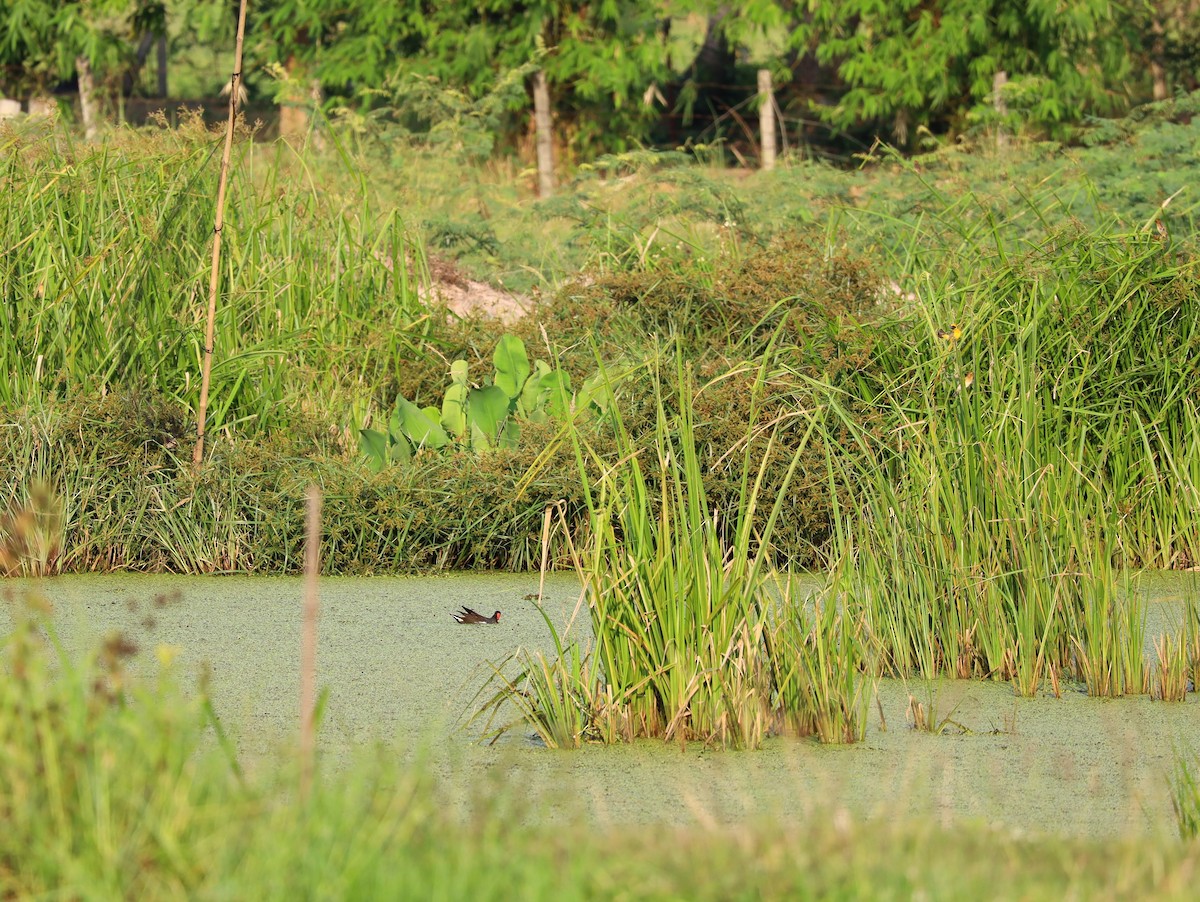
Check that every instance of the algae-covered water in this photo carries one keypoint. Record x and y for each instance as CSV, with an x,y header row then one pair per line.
x,y
399,669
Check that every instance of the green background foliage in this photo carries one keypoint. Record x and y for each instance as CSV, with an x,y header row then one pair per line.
x,y
623,74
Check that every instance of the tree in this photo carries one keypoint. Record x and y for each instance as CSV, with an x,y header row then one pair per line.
x,y
756,32
598,58
27,36
47,42
1170,44
911,62
149,22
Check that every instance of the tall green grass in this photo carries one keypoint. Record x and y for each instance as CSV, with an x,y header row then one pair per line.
x,y
1081,348
102,274
1185,795
127,502
693,637
1026,460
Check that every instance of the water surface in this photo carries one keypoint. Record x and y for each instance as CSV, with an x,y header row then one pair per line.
x,y
399,669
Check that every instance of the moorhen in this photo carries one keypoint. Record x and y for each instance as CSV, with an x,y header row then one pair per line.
x,y
466,615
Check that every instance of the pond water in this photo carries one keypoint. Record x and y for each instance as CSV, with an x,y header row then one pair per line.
x,y
399,669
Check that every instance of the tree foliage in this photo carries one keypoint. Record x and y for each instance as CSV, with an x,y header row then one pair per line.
x,y
599,58
42,39
885,67
910,62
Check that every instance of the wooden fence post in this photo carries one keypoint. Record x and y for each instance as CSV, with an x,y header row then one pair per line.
x,y
999,80
543,127
766,119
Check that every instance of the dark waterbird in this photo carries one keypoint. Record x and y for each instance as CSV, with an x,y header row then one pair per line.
x,y
466,615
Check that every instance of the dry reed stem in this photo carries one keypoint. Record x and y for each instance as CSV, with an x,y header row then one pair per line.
x,y
547,519
1052,670
215,272
918,715
308,638
1172,668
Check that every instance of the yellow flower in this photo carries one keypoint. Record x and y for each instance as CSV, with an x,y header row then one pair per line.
x,y
167,654
954,333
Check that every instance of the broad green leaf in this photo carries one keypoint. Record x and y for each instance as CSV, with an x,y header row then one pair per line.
x,y
374,444
555,388
598,391
422,427
400,450
396,425
527,403
512,365
454,409
511,436
487,409
530,400
479,441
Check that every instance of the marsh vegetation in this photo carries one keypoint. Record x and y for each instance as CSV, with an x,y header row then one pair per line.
x,y
976,416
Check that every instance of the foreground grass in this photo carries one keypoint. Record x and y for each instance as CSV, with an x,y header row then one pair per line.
x,y
115,786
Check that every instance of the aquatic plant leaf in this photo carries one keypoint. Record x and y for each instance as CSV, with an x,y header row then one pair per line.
x,y
374,444
454,409
479,440
512,365
555,394
511,436
487,408
531,398
422,428
400,451
597,391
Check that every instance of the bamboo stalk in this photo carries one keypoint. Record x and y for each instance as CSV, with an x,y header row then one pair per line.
x,y
214,274
308,638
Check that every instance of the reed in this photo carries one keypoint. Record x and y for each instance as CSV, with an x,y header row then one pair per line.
x,y
206,351
308,639
1185,795
552,695
1027,455
31,532
923,715
820,659
675,607
1171,678
1191,634
1109,637
319,289
694,636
